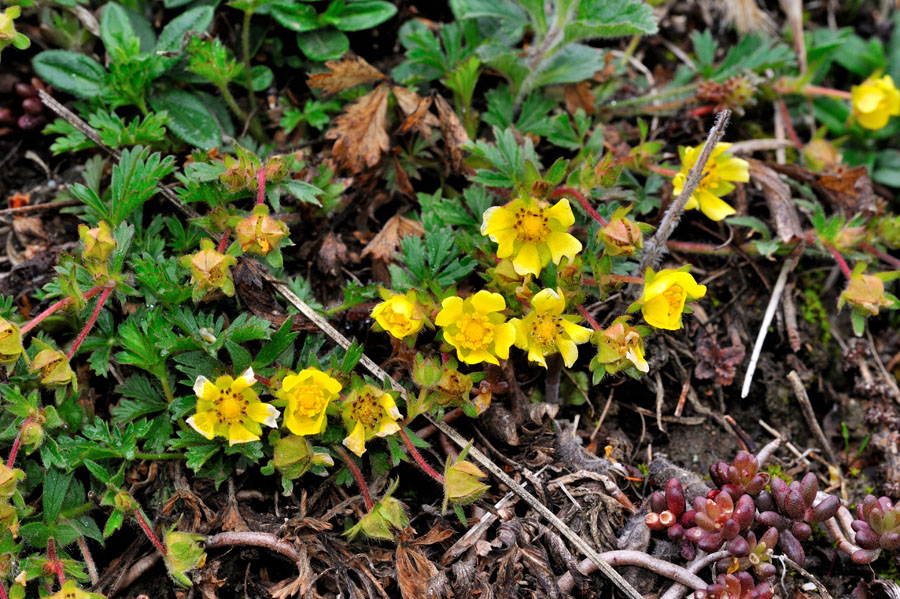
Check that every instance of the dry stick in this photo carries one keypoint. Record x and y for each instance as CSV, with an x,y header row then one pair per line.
x,y
477,455
786,268
806,406
785,560
39,207
654,248
91,133
138,569
630,557
253,539
677,591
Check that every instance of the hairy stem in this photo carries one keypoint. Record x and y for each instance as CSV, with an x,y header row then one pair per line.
x,y
419,459
90,323
17,443
261,185
587,316
89,560
139,516
816,90
60,304
55,563
357,475
245,47
840,260
883,256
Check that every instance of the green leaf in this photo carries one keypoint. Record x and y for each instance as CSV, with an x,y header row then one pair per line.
x,y
887,168
610,18
363,15
134,181
280,341
116,518
56,485
296,17
753,223
240,357
860,57
323,44
70,72
86,526
171,37
303,191
98,471
704,46
261,76
511,19
191,120
35,534
115,28
572,64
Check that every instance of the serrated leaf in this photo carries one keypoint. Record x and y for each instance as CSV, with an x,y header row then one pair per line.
x,y
171,37
115,28
56,485
116,518
280,341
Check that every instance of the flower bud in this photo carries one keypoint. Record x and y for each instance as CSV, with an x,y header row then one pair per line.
x,y
259,233
454,387
820,154
209,270
426,372
462,483
9,519
124,502
98,242
865,293
386,516
32,435
620,347
53,366
10,342
184,552
293,456
622,237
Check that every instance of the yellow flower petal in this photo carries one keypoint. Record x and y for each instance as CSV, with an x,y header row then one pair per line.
x,y
204,423
576,333
715,208
563,244
497,219
451,310
356,440
246,379
656,313
548,301
263,413
528,260
504,336
387,428
536,355
238,433
568,350
561,212
485,301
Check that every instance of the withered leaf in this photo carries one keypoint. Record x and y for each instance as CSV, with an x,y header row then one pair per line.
x,y
413,572
384,245
344,74
579,95
403,182
332,254
778,199
416,108
848,188
716,362
360,133
453,132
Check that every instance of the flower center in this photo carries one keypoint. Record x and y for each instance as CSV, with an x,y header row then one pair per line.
x,y
673,296
531,225
230,406
310,402
365,409
399,320
546,329
475,332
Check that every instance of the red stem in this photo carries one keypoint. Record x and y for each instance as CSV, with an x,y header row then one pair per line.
x,y
587,316
625,279
419,459
90,323
17,443
666,172
795,139
357,475
881,255
139,516
223,243
840,260
3,594
261,186
54,561
815,90
61,303
561,191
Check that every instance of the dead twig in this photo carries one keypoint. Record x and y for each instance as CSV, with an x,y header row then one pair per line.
x,y
629,557
806,407
253,539
656,245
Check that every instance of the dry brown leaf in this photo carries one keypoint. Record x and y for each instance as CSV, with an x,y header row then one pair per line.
x,y
385,244
332,254
413,572
849,189
344,74
360,133
415,107
403,182
453,131
579,95
778,198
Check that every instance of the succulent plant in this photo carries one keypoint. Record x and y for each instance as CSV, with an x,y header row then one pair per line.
x,y
736,586
667,509
749,553
742,476
718,519
791,509
877,527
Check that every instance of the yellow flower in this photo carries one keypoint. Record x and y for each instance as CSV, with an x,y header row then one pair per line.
x,y
70,590
875,101
476,328
621,345
230,408
532,233
307,394
368,413
720,170
259,233
664,296
10,342
546,330
209,270
399,315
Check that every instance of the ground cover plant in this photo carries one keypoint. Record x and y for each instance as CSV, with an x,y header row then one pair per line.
x,y
418,299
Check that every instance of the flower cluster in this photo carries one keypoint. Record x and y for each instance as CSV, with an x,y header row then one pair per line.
x,y
875,101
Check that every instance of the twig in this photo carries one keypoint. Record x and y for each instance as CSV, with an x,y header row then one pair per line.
x,y
138,569
654,248
763,455
253,539
786,268
677,591
476,455
630,557
39,207
786,560
806,406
